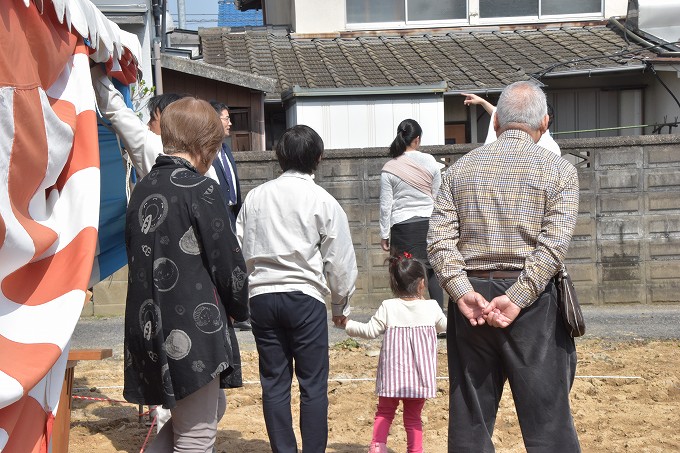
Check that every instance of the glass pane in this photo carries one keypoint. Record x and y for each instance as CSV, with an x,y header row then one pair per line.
x,y
436,9
362,11
508,8
571,7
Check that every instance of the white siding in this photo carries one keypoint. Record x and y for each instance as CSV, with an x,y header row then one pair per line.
x,y
356,123
660,107
316,16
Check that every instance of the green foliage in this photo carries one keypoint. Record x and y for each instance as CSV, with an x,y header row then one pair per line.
x,y
349,344
140,95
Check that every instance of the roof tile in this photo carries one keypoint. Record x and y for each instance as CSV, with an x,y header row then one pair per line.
x,y
466,60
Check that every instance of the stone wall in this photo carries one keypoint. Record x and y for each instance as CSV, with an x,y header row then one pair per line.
x,y
626,247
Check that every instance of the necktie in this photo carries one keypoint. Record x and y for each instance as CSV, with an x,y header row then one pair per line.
x,y
231,193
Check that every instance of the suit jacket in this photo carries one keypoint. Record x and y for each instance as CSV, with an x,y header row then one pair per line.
x,y
224,185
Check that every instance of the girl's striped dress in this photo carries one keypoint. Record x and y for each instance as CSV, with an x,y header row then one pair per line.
x,y
408,357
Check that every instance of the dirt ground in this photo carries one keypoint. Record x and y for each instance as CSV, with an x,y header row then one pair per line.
x,y
636,413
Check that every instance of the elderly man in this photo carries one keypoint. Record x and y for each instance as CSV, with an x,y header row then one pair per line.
x,y
501,226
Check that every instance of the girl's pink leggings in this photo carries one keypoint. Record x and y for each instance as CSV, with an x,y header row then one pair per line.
x,y
387,407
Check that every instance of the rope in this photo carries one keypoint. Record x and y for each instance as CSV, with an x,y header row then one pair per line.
x,y
153,423
92,398
363,379
602,129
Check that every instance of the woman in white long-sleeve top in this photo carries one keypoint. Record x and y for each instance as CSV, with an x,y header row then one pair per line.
x,y
409,183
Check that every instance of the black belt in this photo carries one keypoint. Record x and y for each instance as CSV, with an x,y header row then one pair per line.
x,y
493,274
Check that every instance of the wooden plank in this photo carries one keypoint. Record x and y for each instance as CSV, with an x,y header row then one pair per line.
x,y
89,354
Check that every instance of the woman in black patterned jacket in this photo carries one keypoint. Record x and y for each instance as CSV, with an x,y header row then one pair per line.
x,y
186,276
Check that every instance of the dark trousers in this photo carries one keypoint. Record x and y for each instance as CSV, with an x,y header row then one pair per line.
x,y
535,354
411,236
291,330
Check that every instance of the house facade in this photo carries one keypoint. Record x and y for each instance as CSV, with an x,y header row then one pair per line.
x,y
332,16
599,77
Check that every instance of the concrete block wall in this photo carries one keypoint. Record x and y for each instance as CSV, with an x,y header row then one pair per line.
x,y
626,246
625,249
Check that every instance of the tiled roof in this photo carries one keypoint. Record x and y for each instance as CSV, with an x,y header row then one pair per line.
x,y
471,60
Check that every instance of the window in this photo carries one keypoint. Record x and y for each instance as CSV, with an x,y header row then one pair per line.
x,y
376,11
550,7
436,10
516,8
507,8
362,11
410,11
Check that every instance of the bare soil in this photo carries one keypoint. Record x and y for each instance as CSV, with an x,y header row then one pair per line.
x,y
636,413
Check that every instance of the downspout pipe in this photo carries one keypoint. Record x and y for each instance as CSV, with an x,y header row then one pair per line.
x,y
639,40
158,11
157,69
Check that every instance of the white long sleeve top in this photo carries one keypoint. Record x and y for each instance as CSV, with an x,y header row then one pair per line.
x,y
407,367
295,237
142,145
399,201
399,313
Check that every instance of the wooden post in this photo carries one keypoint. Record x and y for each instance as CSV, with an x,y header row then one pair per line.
x,y
62,422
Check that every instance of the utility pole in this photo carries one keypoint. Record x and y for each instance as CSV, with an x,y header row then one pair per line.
x,y
182,15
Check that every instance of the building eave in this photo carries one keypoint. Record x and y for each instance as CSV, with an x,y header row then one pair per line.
x,y
214,72
298,91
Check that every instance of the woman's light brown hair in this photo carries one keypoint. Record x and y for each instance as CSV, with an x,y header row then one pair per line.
x,y
190,125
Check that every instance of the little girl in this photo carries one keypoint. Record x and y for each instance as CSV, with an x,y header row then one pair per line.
x,y
407,368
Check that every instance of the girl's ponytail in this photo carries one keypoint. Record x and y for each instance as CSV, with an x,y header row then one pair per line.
x,y
405,274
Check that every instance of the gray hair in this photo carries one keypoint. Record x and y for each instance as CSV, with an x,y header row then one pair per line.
x,y
522,103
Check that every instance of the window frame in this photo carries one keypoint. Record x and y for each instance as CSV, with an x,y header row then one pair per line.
x,y
472,18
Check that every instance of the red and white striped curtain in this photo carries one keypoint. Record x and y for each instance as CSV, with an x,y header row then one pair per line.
x,y
49,208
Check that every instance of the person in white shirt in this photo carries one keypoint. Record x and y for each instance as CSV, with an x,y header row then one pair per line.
x,y
409,182
407,368
296,242
142,142
546,140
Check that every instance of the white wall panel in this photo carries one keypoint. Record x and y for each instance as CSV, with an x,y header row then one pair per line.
x,y
359,129
344,122
338,120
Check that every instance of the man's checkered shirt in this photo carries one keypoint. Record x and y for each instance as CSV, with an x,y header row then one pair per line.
x,y
509,205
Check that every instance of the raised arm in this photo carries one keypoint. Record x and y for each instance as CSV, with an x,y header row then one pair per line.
x,y
142,145
473,99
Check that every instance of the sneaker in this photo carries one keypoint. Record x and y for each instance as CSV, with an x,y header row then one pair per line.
x,y
377,447
243,325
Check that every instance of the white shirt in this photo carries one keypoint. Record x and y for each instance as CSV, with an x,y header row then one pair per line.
x,y
399,313
142,145
295,237
546,141
400,201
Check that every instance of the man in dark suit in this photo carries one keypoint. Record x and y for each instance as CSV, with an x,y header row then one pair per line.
x,y
225,167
